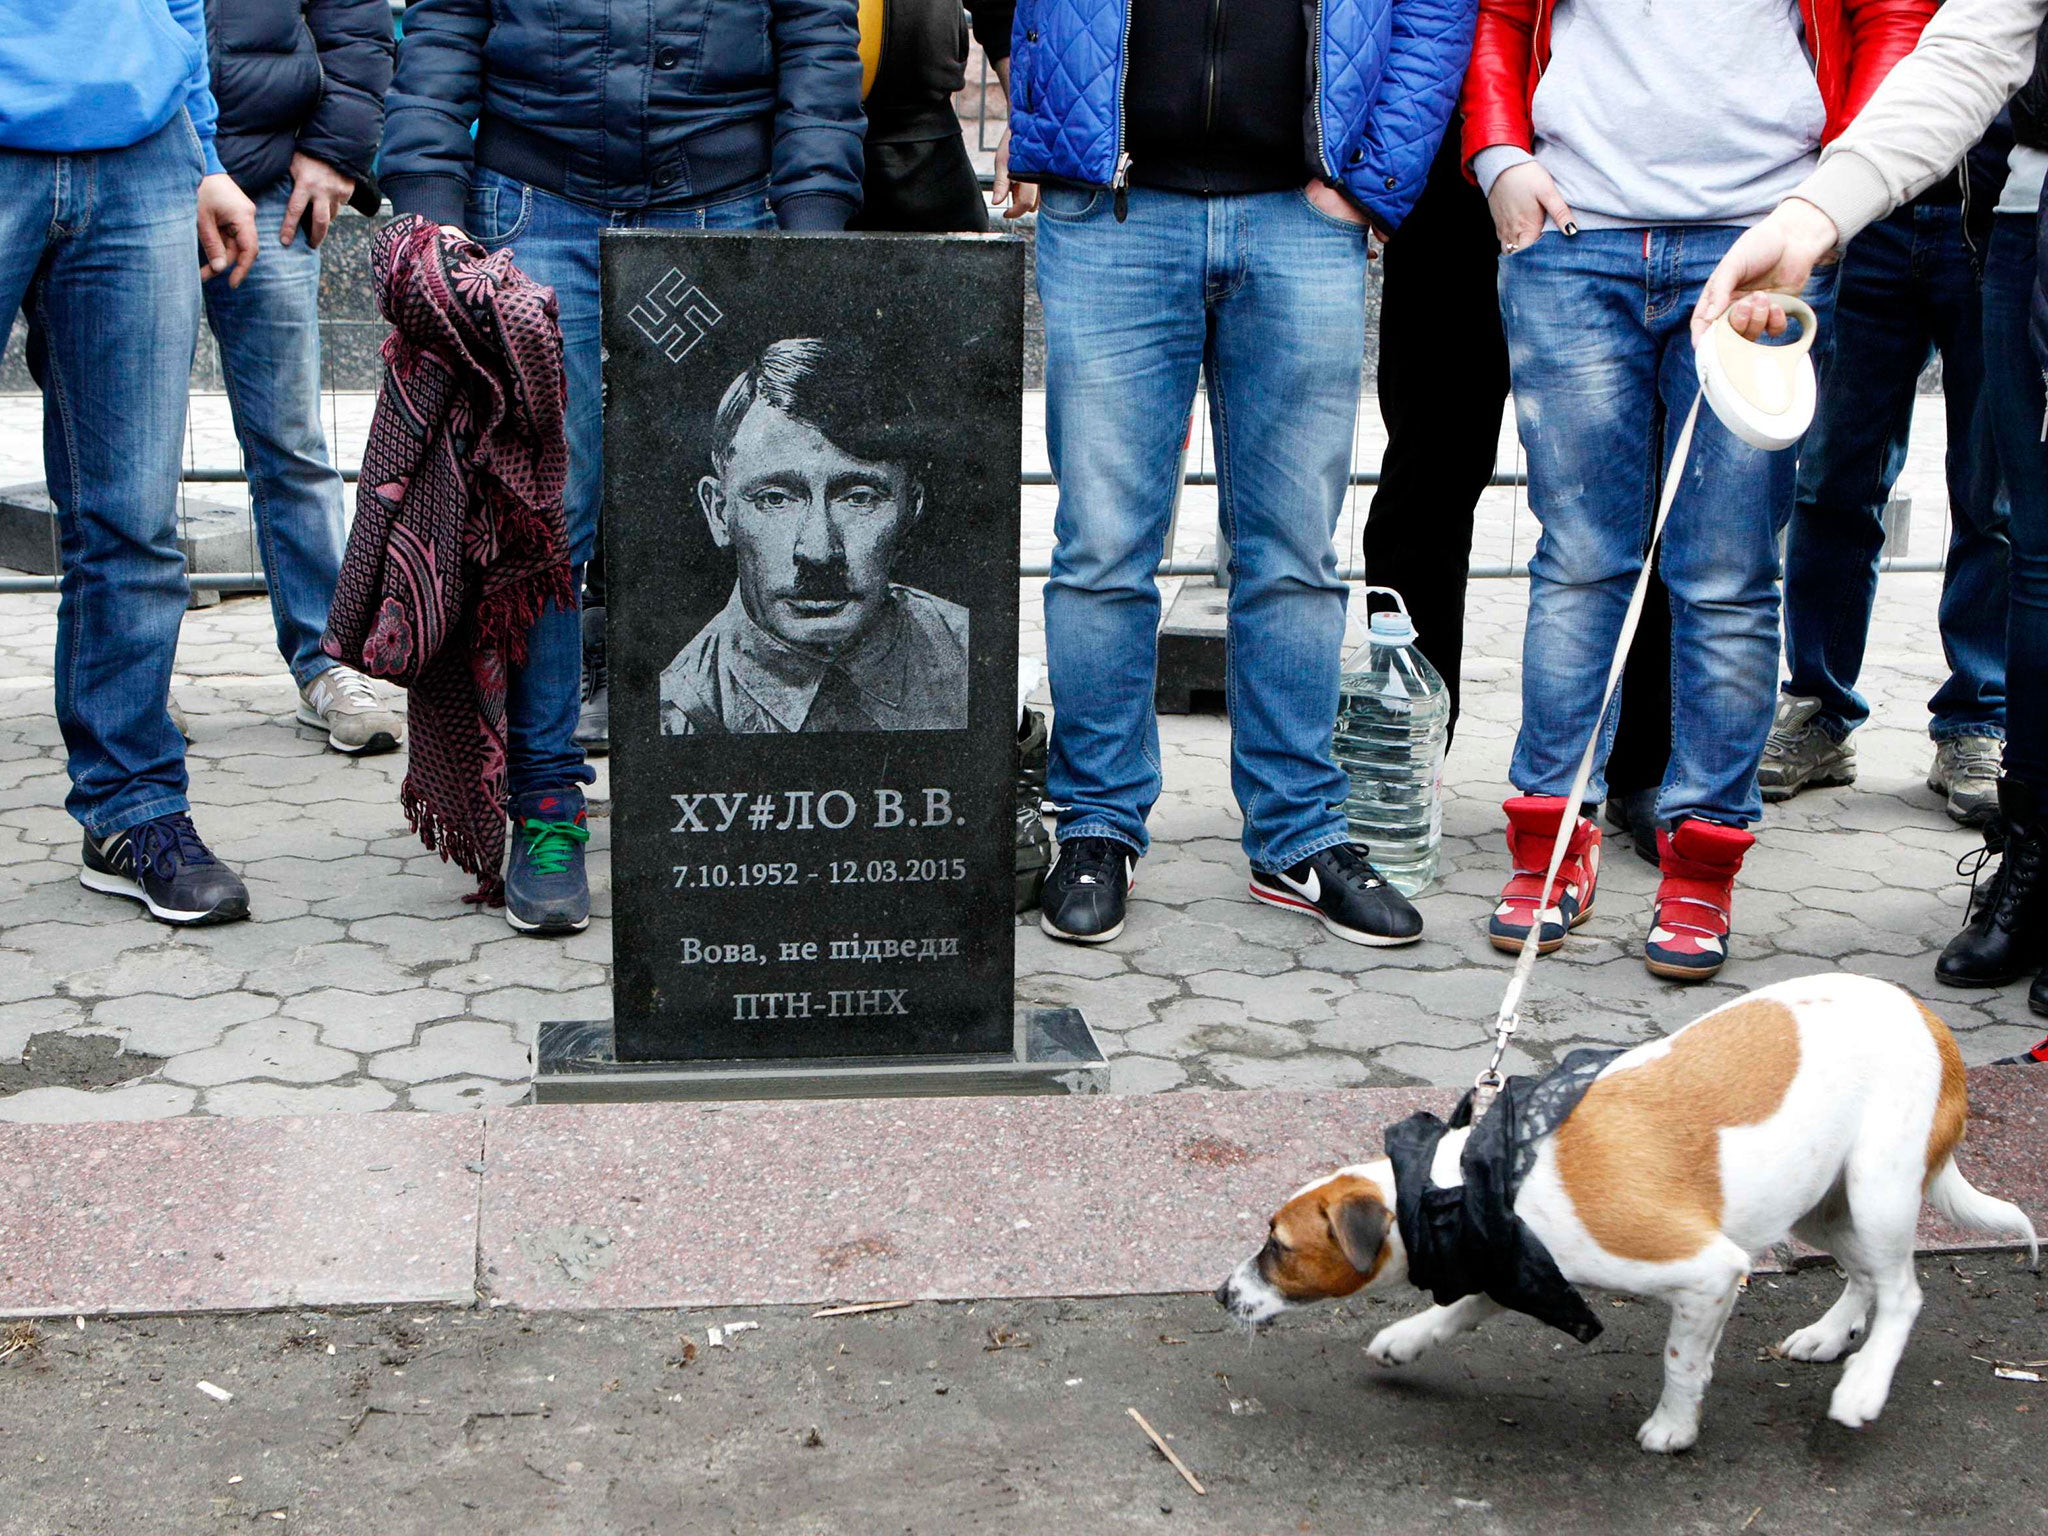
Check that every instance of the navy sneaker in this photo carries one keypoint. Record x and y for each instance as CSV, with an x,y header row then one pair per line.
x,y
1341,890
546,890
1084,895
164,865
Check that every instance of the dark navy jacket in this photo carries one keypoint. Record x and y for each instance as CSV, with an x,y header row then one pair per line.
x,y
627,103
1385,73
305,75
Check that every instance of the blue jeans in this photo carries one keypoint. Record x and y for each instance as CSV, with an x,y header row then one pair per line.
x,y
1267,296
2015,406
100,249
269,335
1908,286
554,241
1600,345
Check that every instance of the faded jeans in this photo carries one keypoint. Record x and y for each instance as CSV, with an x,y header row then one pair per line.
x,y
1266,296
269,335
1600,345
100,248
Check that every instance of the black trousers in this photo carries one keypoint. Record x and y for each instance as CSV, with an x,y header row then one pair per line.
x,y
1642,736
1443,376
926,187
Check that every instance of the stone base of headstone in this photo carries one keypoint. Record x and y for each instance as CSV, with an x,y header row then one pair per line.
x,y
214,538
1055,1053
1191,651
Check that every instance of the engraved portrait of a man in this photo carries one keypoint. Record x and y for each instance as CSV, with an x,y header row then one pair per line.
x,y
817,481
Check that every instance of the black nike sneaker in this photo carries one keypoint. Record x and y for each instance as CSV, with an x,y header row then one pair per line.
x,y
1341,890
164,865
1083,899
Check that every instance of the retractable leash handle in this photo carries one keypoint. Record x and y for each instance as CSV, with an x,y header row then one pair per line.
x,y
1765,396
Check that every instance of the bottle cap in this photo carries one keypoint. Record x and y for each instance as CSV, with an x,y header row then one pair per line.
x,y
1392,629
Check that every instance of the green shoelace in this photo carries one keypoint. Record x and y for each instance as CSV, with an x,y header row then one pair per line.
x,y
550,843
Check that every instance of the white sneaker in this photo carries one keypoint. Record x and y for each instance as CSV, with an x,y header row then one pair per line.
x,y
343,703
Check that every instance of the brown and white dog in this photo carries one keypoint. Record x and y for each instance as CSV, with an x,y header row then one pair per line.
x,y
1826,1107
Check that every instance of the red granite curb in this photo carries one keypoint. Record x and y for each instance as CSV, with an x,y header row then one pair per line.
x,y
724,1204
197,1215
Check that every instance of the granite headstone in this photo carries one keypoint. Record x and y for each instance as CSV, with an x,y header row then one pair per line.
x,y
812,454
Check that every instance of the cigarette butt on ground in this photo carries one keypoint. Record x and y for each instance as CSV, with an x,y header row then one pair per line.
x,y
218,1394
1166,1450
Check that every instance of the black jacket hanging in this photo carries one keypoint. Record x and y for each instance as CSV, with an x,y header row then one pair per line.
x,y
1467,1239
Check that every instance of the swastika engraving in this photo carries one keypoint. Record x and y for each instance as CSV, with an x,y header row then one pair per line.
x,y
675,315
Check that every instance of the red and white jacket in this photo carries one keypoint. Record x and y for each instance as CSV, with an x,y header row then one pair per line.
x,y
1854,44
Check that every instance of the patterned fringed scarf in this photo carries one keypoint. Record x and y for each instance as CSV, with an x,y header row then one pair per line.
x,y
459,539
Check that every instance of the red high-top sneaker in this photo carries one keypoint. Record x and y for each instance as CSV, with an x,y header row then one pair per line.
x,y
1695,899
1532,831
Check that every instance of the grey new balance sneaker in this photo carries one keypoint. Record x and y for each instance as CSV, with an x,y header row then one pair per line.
x,y
341,702
1799,754
1966,772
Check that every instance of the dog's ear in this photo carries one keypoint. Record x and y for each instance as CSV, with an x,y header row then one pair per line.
x,y
1360,1224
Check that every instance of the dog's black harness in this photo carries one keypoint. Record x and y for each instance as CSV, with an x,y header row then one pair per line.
x,y
1467,1239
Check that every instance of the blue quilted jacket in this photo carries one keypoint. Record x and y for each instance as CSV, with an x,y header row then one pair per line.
x,y
1386,80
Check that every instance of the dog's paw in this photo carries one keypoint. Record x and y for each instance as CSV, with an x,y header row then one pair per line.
x,y
1858,1400
1665,1434
1818,1343
1398,1344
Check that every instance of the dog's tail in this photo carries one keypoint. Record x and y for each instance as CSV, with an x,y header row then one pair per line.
x,y
1968,1206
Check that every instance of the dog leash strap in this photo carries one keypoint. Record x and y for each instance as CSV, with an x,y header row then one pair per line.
x,y
1488,1084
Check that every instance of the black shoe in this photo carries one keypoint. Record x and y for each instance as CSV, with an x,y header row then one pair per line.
x,y
1083,900
1340,889
1634,811
164,865
546,890
1034,843
2007,934
594,719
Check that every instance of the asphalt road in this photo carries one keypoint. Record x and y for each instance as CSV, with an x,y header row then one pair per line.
x,y
1005,1417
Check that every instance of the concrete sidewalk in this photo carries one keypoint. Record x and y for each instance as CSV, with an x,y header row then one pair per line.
x,y
365,983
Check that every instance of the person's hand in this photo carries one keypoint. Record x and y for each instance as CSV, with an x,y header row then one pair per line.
x,y
1778,254
319,192
1326,199
1015,198
1523,196
227,229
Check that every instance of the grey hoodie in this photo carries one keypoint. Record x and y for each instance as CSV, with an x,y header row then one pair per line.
x,y
1672,111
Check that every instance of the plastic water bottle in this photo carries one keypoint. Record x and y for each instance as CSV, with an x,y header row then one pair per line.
x,y
1393,714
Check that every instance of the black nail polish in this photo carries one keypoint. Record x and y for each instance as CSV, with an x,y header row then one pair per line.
x,y
1571,228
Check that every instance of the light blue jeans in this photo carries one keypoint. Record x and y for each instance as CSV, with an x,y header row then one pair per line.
x,y
1600,344
101,250
269,335
1266,296
554,241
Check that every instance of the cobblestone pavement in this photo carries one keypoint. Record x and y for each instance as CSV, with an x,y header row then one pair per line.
x,y
366,983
